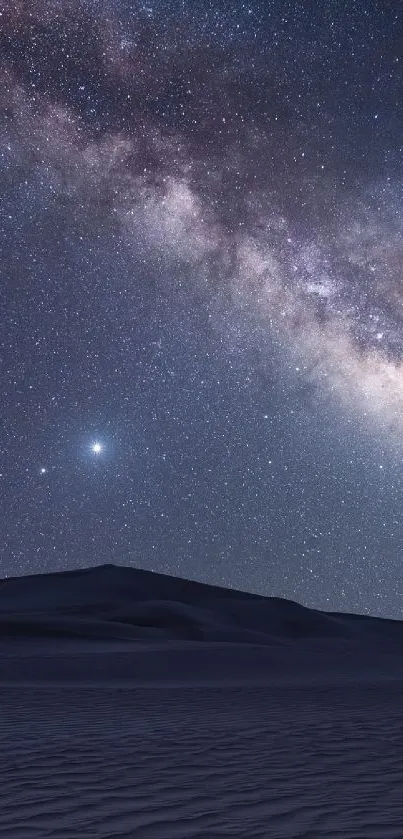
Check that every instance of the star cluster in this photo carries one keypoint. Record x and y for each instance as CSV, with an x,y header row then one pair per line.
x,y
201,335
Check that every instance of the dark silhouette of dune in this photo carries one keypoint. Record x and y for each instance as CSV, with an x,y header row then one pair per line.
x,y
109,602
133,704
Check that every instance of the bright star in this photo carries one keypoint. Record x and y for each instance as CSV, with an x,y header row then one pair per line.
x,y
96,448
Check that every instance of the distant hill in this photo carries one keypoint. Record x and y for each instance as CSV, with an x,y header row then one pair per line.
x,y
120,603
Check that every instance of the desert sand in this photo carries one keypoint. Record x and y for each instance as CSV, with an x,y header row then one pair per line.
x,y
138,705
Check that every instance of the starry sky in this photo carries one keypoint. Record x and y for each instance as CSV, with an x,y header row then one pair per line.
x,y
201,327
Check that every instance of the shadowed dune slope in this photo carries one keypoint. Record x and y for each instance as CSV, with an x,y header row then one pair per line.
x,y
112,602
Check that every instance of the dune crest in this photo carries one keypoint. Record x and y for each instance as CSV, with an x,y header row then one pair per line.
x,y
117,603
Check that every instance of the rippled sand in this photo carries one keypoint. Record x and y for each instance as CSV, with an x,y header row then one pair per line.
x,y
193,762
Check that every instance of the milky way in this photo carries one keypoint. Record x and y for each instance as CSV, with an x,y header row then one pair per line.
x,y
234,163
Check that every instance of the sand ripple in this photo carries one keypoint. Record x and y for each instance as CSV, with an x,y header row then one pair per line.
x,y
200,763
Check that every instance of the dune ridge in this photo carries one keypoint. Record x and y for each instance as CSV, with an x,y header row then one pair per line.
x,y
111,602
120,624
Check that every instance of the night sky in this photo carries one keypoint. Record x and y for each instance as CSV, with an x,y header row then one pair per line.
x,y
201,329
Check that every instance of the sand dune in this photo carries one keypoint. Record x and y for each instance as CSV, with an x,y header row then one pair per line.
x,y
136,705
111,602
